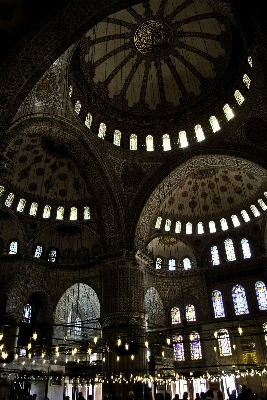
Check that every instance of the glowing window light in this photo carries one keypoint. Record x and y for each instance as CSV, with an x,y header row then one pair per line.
x,y
262,204
217,302
38,251
183,142
158,223
240,300
190,313
224,224
178,227
245,216
88,120
117,138
102,130
228,112
214,123
9,199
188,228
195,346
239,97
261,294
13,248
265,330
200,228
86,213
52,255
246,80
149,143
245,248
215,255
33,209
224,343
254,210
21,205
229,249
47,211
200,136
212,227
166,142
133,141
250,61
60,213
235,220
172,264
175,315
77,107
73,214
187,263
178,348
27,314
158,263
168,225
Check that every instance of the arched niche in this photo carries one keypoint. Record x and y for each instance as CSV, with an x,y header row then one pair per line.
x,y
154,309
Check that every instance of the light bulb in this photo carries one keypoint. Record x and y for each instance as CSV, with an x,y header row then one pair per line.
x,y
57,354
43,354
16,356
95,339
126,346
29,346
30,355
240,330
168,340
34,336
57,348
163,354
132,357
104,359
215,334
146,343
234,346
89,351
118,358
119,342
1,336
215,348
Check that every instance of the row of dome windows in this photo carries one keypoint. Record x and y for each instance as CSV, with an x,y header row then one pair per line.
x,y
212,225
47,209
166,142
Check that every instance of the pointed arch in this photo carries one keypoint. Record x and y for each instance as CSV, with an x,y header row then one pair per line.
x,y
154,308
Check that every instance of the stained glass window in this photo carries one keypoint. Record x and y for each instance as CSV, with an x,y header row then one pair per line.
x,y
224,224
214,123
190,313
245,248
215,255
70,90
47,211
240,300
158,223
149,143
195,346
178,227
158,263
166,142
175,315
60,213
33,209
117,138
102,130
246,80
2,189
168,225
262,204
217,302
9,199
250,61
77,107
228,112
254,210
245,216
212,226
13,248
86,213
200,228
52,255
73,214
78,326
187,263
188,228
235,220
200,136
133,142
239,97
88,120
38,251
172,264
224,343
261,293
229,249
27,313
21,205
183,139
178,348
265,330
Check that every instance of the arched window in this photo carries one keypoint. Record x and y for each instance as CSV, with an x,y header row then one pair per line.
x,y
102,130
228,112
254,210
27,313
158,223
13,248
77,107
224,224
178,348
250,61
188,228
38,251
224,343
52,255
200,136
47,211
214,123
217,302
86,213
229,249
200,228
78,326
262,204
21,205
88,120
215,258
235,220
212,226
60,213
2,189
239,97
9,199
133,141
190,313
246,80
172,264
117,138
245,248
187,263
33,209
166,142
261,294
195,346
168,225
73,214
70,90
183,142
245,216
158,263
149,143
175,315
240,300
178,227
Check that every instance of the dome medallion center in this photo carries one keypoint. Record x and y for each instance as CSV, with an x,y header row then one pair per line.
x,y
153,38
